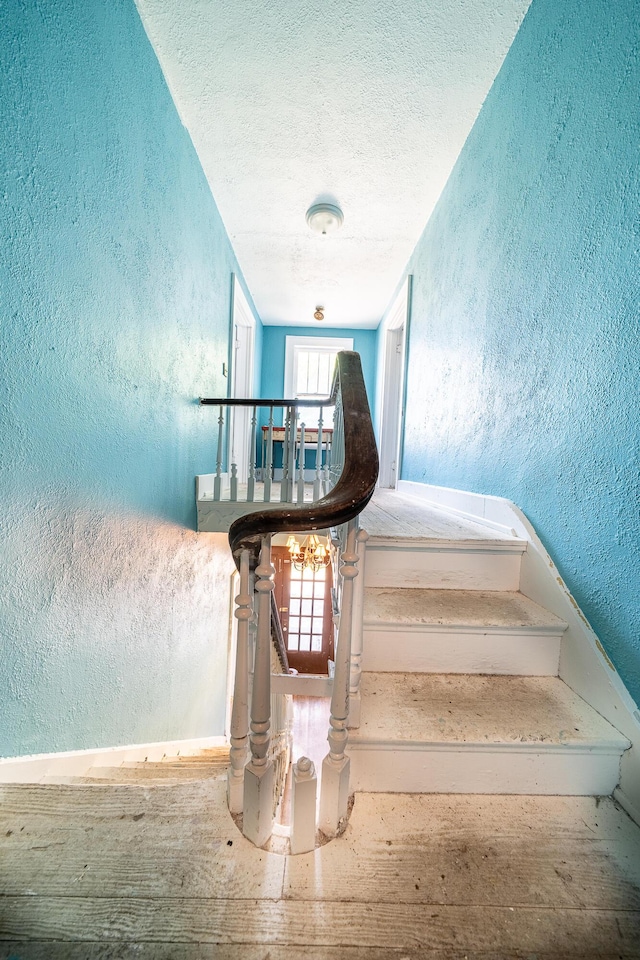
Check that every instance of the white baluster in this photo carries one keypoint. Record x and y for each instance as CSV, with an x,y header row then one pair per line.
x,y
257,822
284,483
291,467
334,790
268,466
304,786
233,483
356,633
217,483
251,482
317,483
239,732
301,454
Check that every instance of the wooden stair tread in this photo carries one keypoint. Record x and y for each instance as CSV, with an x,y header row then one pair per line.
x,y
473,608
478,709
155,772
394,516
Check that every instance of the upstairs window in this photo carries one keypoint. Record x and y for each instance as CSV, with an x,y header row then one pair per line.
x,y
309,366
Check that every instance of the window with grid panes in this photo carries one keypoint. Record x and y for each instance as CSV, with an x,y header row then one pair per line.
x,y
309,367
306,609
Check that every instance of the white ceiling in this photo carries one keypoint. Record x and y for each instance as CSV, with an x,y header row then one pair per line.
x,y
365,103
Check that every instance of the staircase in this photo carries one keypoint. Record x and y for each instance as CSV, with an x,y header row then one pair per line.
x,y
208,764
460,690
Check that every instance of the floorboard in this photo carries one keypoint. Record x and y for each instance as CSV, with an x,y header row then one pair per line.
x,y
107,872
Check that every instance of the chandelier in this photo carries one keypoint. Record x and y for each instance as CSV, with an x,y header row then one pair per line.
x,y
312,555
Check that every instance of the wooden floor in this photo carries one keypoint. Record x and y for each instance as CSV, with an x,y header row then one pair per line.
x,y
159,870
391,516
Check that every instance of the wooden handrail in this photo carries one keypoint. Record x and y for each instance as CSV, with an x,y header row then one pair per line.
x,y
277,635
250,402
357,481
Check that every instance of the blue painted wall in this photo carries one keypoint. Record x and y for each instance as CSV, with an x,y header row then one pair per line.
x,y
273,352
115,291
525,348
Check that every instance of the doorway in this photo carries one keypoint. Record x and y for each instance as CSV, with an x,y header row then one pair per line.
x,y
392,392
304,603
243,328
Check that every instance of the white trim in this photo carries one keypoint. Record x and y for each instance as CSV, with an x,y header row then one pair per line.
x,y
75,763
534,768
390,387
633,809
516,748
444,648
302,684
584,665
294,344
242,318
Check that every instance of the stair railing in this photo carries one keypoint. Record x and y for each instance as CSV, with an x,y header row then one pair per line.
x,y
293,442
346,470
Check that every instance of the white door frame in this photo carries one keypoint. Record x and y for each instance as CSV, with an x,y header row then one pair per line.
x,y
243,339
392,387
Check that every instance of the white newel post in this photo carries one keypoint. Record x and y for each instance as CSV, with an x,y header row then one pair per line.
x,y
304,785
257,824
334,789
239,732
356,633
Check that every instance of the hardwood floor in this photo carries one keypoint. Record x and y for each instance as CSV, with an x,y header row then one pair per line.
x,y
157,869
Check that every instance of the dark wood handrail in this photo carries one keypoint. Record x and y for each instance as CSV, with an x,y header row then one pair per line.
x,y
355,486
277,635
249,402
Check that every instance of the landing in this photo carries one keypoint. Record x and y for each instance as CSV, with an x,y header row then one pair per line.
x,y
395,516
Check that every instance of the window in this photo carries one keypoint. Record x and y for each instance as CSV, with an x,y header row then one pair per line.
x,y
309,364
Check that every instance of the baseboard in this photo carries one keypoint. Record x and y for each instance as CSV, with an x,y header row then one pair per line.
x,y
75,763
489,511
584,665
627,805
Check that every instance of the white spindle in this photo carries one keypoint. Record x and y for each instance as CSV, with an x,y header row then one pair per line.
x,y
268,466
284,483
217,483
251,481
334,791
233,483
356,633
317,483
258,774
301,455
291,458
304,786
240,711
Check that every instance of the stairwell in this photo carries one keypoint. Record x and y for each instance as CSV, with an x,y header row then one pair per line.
x,y
460,690
460,701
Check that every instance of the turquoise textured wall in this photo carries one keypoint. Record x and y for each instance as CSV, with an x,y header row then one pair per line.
x,y
273,350
525,348
115,290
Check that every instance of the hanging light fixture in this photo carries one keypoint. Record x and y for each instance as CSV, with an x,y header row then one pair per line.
x,y
313,554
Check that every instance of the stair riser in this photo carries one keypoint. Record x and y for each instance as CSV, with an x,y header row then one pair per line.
x,y
388,566
392,649
570,773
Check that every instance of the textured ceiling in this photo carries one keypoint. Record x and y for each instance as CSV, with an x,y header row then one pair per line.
x,y
365,103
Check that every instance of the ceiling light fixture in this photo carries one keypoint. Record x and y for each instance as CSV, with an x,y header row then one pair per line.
x,y
324,218
313,554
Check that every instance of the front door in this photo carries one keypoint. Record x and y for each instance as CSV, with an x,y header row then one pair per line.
x,y
304,603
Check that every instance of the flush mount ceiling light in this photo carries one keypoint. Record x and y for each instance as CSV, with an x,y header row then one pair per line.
x,y
324,218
